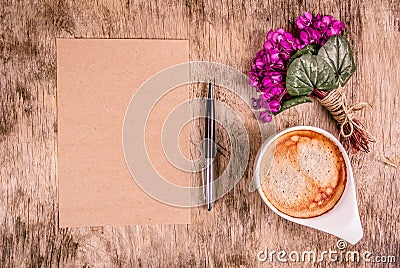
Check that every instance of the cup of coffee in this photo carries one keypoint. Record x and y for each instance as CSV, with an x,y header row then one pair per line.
x,y
304,175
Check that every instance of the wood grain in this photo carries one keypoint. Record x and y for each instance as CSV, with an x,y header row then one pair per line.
x,y
224,31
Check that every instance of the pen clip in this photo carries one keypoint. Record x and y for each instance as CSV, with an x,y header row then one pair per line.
x,y
203,184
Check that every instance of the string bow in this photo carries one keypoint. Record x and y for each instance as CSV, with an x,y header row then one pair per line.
x,y
352,132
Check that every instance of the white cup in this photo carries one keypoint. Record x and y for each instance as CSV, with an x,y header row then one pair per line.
x,y
343,220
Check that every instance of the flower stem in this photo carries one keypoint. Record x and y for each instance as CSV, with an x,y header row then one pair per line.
x,y
282,95
318,94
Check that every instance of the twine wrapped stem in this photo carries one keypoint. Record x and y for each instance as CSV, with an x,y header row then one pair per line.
x,y
352,133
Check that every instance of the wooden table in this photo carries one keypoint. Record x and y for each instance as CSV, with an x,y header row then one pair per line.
x,y
229,32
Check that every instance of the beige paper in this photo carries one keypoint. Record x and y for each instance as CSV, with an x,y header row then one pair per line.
x,y
96,80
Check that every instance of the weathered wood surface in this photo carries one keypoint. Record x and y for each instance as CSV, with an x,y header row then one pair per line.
x,y
229,32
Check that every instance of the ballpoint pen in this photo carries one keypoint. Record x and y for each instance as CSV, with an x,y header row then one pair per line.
x,y
210,145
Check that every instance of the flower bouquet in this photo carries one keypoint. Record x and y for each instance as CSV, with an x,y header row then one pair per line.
x,y
313,64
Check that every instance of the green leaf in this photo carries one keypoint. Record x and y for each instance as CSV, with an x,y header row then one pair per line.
x,y
309,72
325,76
338,54
308,49
293,102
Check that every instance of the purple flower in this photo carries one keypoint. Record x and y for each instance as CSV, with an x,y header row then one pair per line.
x,y
322,24
280,35
267,96
256,103
273,55
261,102
304,21
277,90
265,116
310,36
274,106
281,40
269,70
269,45
317,29
253,81
272,79
335,28
259,63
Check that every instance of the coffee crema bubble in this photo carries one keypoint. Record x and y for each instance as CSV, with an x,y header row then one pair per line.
x,y
307,176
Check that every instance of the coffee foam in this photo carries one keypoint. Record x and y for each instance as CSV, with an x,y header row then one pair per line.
x,y
307,176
